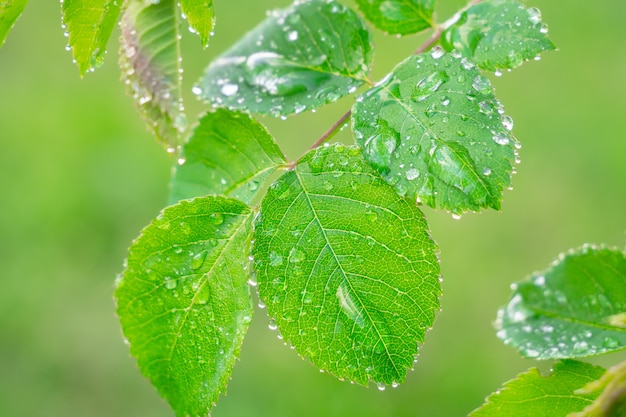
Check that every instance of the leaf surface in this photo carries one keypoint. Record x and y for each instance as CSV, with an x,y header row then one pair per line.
x,y
576,308
435,131
10,10
183,300
346,267
201,17
498,34
150,61
229,153
399,16
533,395
611,392
299,58
89,25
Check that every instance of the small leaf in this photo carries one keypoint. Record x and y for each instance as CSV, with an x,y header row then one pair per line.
x,y
299,58
399,16
569,310
200,16
611,388
183,300
150,61
228,153
498,34
347,268
533,395
10,10
89,25
435,131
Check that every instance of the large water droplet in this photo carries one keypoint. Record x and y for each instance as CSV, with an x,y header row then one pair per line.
x,y
481,84
198,260
429,84
296,255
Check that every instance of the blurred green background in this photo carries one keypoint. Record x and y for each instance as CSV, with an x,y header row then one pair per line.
x,y
80,177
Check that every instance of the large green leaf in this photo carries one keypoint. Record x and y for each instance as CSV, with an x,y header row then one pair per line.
x,y
576,308
201,17
435,131
10,10
183,300
399,16
300,58
89,25
346,267
229,153
498,34
150,60
533,395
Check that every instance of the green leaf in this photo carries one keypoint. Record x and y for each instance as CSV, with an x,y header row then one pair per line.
x,y
347,268
10,10
228,153
200,16
611,392
435,131
574,309
89,25
498,34
150,61
299,58
533,395
183,300
399,16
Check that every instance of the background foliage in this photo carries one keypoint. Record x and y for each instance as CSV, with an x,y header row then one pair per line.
x,y
81,176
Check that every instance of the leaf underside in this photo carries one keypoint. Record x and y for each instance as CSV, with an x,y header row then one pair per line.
x,y
299,58
200,16
400,17
183,300
9,12
230,154
346,267
435,131
576,308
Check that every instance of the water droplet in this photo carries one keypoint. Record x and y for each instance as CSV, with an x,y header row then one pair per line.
x,y
501,139
198,260
481,84
534,15
456,216
170,284
437,52
229,89
412,174
539,280
380,386
293,35
429,84
467,64
272,324
610,342
296,255
253,185
216,218
275,259
196,90
507,122
487,172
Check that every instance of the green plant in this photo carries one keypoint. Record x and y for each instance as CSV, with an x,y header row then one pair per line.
x,y
196,241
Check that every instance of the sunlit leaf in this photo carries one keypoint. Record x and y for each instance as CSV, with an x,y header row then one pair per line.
x,y
498,34
150,61
299,58
574,309
435,131
183,300
200,16
399,16
229,153
89,25
346,267
533,395
10,10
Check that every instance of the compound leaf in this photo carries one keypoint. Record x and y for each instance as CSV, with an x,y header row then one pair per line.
x,y
150,61
533,395
10,10
200,16
183,300
346,267
229,153
498,34
299,58
435,131
89,25
399,16
576,308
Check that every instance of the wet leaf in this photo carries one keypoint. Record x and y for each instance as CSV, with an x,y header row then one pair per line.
x,y
150,61
9,12
533,395
574,309
89,25
299,58
347,268
435,131
399,16
201,17
498,34
229,153
183,300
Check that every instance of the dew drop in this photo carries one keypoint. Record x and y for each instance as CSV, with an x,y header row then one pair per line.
x,y
229,89
507,122
272,324
412,174
487,172
296,255
501,139
198,260
216,218
437,52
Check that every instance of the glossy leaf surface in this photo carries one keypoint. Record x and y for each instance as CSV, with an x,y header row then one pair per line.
x,y
10,10
435,131
498,34
299,58
576,308
183,300
229,153
89,25
399,16
533,395
346,267
201,17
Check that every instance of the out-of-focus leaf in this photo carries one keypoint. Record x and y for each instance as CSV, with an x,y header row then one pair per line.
x,y
612,399
399,16
10,10
201,17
